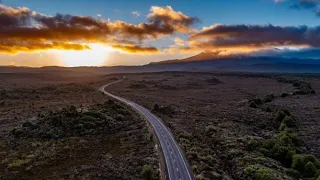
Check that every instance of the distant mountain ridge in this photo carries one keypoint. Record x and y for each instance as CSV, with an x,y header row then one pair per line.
x,y
201,62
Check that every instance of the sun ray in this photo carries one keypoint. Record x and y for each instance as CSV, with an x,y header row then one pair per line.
x,y
95,56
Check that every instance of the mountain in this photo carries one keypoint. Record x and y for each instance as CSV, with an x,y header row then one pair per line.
x,y
207,55
206,61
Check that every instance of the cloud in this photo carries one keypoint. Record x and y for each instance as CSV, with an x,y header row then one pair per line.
x,y
136,13
136,49
24,30
247,38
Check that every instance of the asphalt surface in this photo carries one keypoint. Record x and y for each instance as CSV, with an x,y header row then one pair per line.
x,y
177,167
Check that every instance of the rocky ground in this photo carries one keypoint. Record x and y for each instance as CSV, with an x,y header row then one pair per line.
x,y
61,127
226,124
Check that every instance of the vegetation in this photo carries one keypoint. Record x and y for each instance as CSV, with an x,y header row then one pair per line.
x,y
283,148
147,172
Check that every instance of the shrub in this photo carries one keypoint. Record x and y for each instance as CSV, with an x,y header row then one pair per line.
x,y
284,95
147,172
156,107
259,173
93,114
288,120
87,118
252,104
210,129
310,170
266,174
268,98
268,109
293,173
283,127
307,165
257,101
253,144
281,147
280,116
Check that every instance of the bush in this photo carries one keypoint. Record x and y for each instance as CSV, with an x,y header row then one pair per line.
x,y
268,98
94,114
259,173
293,173
280,116
147,172
266,174
268,109
288,120
281,147
284,95
310,170
283,127
252,104
156,107
257,101
210,129
307,165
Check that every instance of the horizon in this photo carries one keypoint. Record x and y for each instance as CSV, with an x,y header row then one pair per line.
x,y
106,33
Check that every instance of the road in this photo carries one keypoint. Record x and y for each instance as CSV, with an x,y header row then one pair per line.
x,y
177,167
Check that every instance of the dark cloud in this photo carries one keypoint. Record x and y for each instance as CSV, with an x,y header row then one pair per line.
x,y
21,27
255,36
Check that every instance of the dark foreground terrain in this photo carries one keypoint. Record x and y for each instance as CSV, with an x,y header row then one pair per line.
x,y
58,126
237,125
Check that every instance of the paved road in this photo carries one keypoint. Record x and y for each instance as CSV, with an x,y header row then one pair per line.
x,y
176,166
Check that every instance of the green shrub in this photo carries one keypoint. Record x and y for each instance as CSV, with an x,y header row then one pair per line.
x,y
87,118
307,165
253,144
93,114
288,120
147,172
259,173
310,170
281,148
283,127
293,173
265,174
280,116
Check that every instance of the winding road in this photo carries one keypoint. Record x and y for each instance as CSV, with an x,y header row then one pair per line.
x,y
177,167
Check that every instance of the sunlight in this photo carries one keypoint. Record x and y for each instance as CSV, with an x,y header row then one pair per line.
x,y
95,56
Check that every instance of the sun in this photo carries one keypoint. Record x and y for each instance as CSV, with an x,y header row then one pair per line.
x,y
95,56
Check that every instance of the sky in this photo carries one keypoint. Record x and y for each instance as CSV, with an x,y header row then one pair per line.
x,y
136,32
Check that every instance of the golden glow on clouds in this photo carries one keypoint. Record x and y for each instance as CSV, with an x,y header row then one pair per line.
x,y
95,56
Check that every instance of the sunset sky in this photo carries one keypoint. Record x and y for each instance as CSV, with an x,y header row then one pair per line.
x,y
105,33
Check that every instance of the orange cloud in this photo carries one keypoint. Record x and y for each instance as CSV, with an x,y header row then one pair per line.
x,y
136,49
24,30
